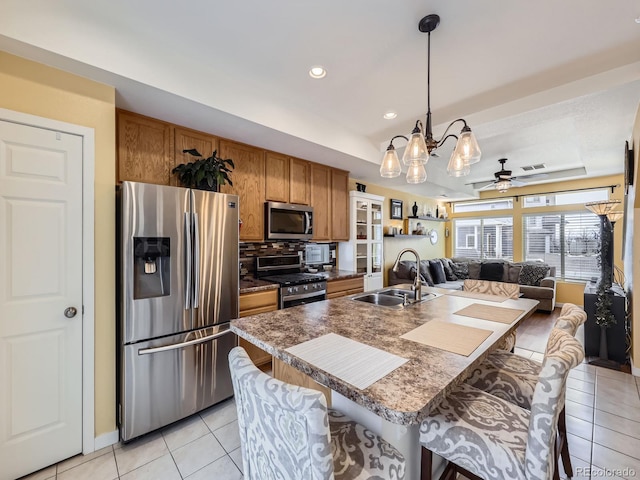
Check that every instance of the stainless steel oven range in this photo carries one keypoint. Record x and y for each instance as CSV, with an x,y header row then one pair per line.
x,y
296,287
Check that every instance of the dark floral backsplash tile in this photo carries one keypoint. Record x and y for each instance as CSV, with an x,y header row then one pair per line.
x,y
249,252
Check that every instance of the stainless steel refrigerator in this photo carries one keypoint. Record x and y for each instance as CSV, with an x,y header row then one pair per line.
x,y
177,291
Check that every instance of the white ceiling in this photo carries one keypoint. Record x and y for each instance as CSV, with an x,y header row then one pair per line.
x,y
538,82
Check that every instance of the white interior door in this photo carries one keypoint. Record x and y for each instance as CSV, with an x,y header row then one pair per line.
x,y
40,279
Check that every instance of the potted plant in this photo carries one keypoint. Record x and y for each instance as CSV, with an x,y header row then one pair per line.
x,y
205,173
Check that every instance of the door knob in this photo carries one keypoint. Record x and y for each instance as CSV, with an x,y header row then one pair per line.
x,y
70,312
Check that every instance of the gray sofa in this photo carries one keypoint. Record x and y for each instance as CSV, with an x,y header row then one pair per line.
x,y
537,280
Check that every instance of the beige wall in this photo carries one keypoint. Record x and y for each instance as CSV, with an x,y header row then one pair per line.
x,y
36,89
393,245
632,272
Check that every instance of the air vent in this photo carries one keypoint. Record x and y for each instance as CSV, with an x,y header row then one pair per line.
x,y
530,168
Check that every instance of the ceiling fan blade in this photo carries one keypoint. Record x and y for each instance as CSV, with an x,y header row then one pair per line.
x,y
488,186
517,183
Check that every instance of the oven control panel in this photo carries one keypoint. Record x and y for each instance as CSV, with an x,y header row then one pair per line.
x,y
307,287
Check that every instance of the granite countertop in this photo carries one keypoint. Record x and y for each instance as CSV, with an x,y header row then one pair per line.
x,y
407,394
252,284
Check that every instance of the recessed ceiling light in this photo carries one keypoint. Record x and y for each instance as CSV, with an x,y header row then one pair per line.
x,y
317,72
390,115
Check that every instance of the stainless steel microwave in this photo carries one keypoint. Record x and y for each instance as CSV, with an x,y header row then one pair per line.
x,y
288,221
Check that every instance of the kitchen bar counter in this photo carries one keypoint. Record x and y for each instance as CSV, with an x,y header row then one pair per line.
x,y
394,405
252,284
407,394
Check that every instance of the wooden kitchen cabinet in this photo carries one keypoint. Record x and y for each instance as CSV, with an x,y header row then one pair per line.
x,y
288,374
339,205
276,177
248,179
145,149
253,304
320,201
299,181
185,139
344,287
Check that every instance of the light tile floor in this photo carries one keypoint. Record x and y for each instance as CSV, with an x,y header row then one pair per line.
x,y
603,424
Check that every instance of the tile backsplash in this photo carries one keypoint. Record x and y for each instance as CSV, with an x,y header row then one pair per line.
x,y
249,252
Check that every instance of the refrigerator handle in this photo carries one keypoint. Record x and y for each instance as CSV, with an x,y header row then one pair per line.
x,y
187,260
196,261
175,346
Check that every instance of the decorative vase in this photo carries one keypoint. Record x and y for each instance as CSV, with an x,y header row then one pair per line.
x,y
414,209
437,214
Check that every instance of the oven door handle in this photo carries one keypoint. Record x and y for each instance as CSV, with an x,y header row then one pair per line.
x,y
301,296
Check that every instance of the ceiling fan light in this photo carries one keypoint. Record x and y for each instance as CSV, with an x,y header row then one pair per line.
x,y
416,150
467,147
390,166
457,167
416,173
503,185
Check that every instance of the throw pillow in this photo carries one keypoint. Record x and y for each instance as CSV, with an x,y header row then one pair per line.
x,y
511,273
474,270
533,274
412,274
461,270
448,271
491,271
437,272
426,272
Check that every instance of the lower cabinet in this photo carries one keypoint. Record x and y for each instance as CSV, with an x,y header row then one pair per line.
x,y
253,304
344,287
288,374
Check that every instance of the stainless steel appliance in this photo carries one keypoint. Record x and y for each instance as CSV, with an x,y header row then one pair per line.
x,y
288,221
178,290
296,287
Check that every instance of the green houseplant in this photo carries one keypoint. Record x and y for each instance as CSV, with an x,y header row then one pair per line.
x,y
205,173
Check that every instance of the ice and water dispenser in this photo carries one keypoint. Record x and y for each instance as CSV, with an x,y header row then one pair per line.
x,y
151,271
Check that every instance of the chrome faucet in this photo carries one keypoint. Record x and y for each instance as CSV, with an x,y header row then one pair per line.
x,y
417,284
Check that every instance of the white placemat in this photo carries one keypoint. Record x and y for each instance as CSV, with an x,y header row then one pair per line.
x,y
354,362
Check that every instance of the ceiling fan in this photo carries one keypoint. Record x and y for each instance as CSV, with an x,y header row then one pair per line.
x,y
504,180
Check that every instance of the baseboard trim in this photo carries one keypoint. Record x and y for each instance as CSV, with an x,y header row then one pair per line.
x,y
106,439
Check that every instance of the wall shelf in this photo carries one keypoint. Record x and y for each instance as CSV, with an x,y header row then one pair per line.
x,y
404,235
431,219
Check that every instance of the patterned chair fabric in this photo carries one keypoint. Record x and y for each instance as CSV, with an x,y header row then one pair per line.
x,y
509,290
287,433
512,377
496,439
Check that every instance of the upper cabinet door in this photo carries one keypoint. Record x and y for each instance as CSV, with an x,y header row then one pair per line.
x,y
144,149
248,179
277,177
185,139
339,205
300,182
320,201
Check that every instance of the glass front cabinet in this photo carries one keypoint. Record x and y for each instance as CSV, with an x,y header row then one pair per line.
x,y
363,253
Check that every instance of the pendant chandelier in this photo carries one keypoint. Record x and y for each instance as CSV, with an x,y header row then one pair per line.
x,y
421,144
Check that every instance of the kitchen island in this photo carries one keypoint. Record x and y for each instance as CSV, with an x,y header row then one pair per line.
x,y
394,405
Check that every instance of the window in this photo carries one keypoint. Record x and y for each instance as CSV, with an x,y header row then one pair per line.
x,y
566,198
568,241
501,204
484,238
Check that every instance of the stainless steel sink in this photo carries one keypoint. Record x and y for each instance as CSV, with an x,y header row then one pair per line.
x,y
382,300
393,297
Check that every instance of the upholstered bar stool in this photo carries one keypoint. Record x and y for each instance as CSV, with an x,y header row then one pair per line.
x,y
287,432
513,378
483,436
502,289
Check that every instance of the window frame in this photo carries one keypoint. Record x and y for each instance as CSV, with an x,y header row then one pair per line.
x,y
479,236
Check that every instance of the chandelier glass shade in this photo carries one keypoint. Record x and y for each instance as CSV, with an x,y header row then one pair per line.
x,y
421,143
416,173
390,164
602,207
